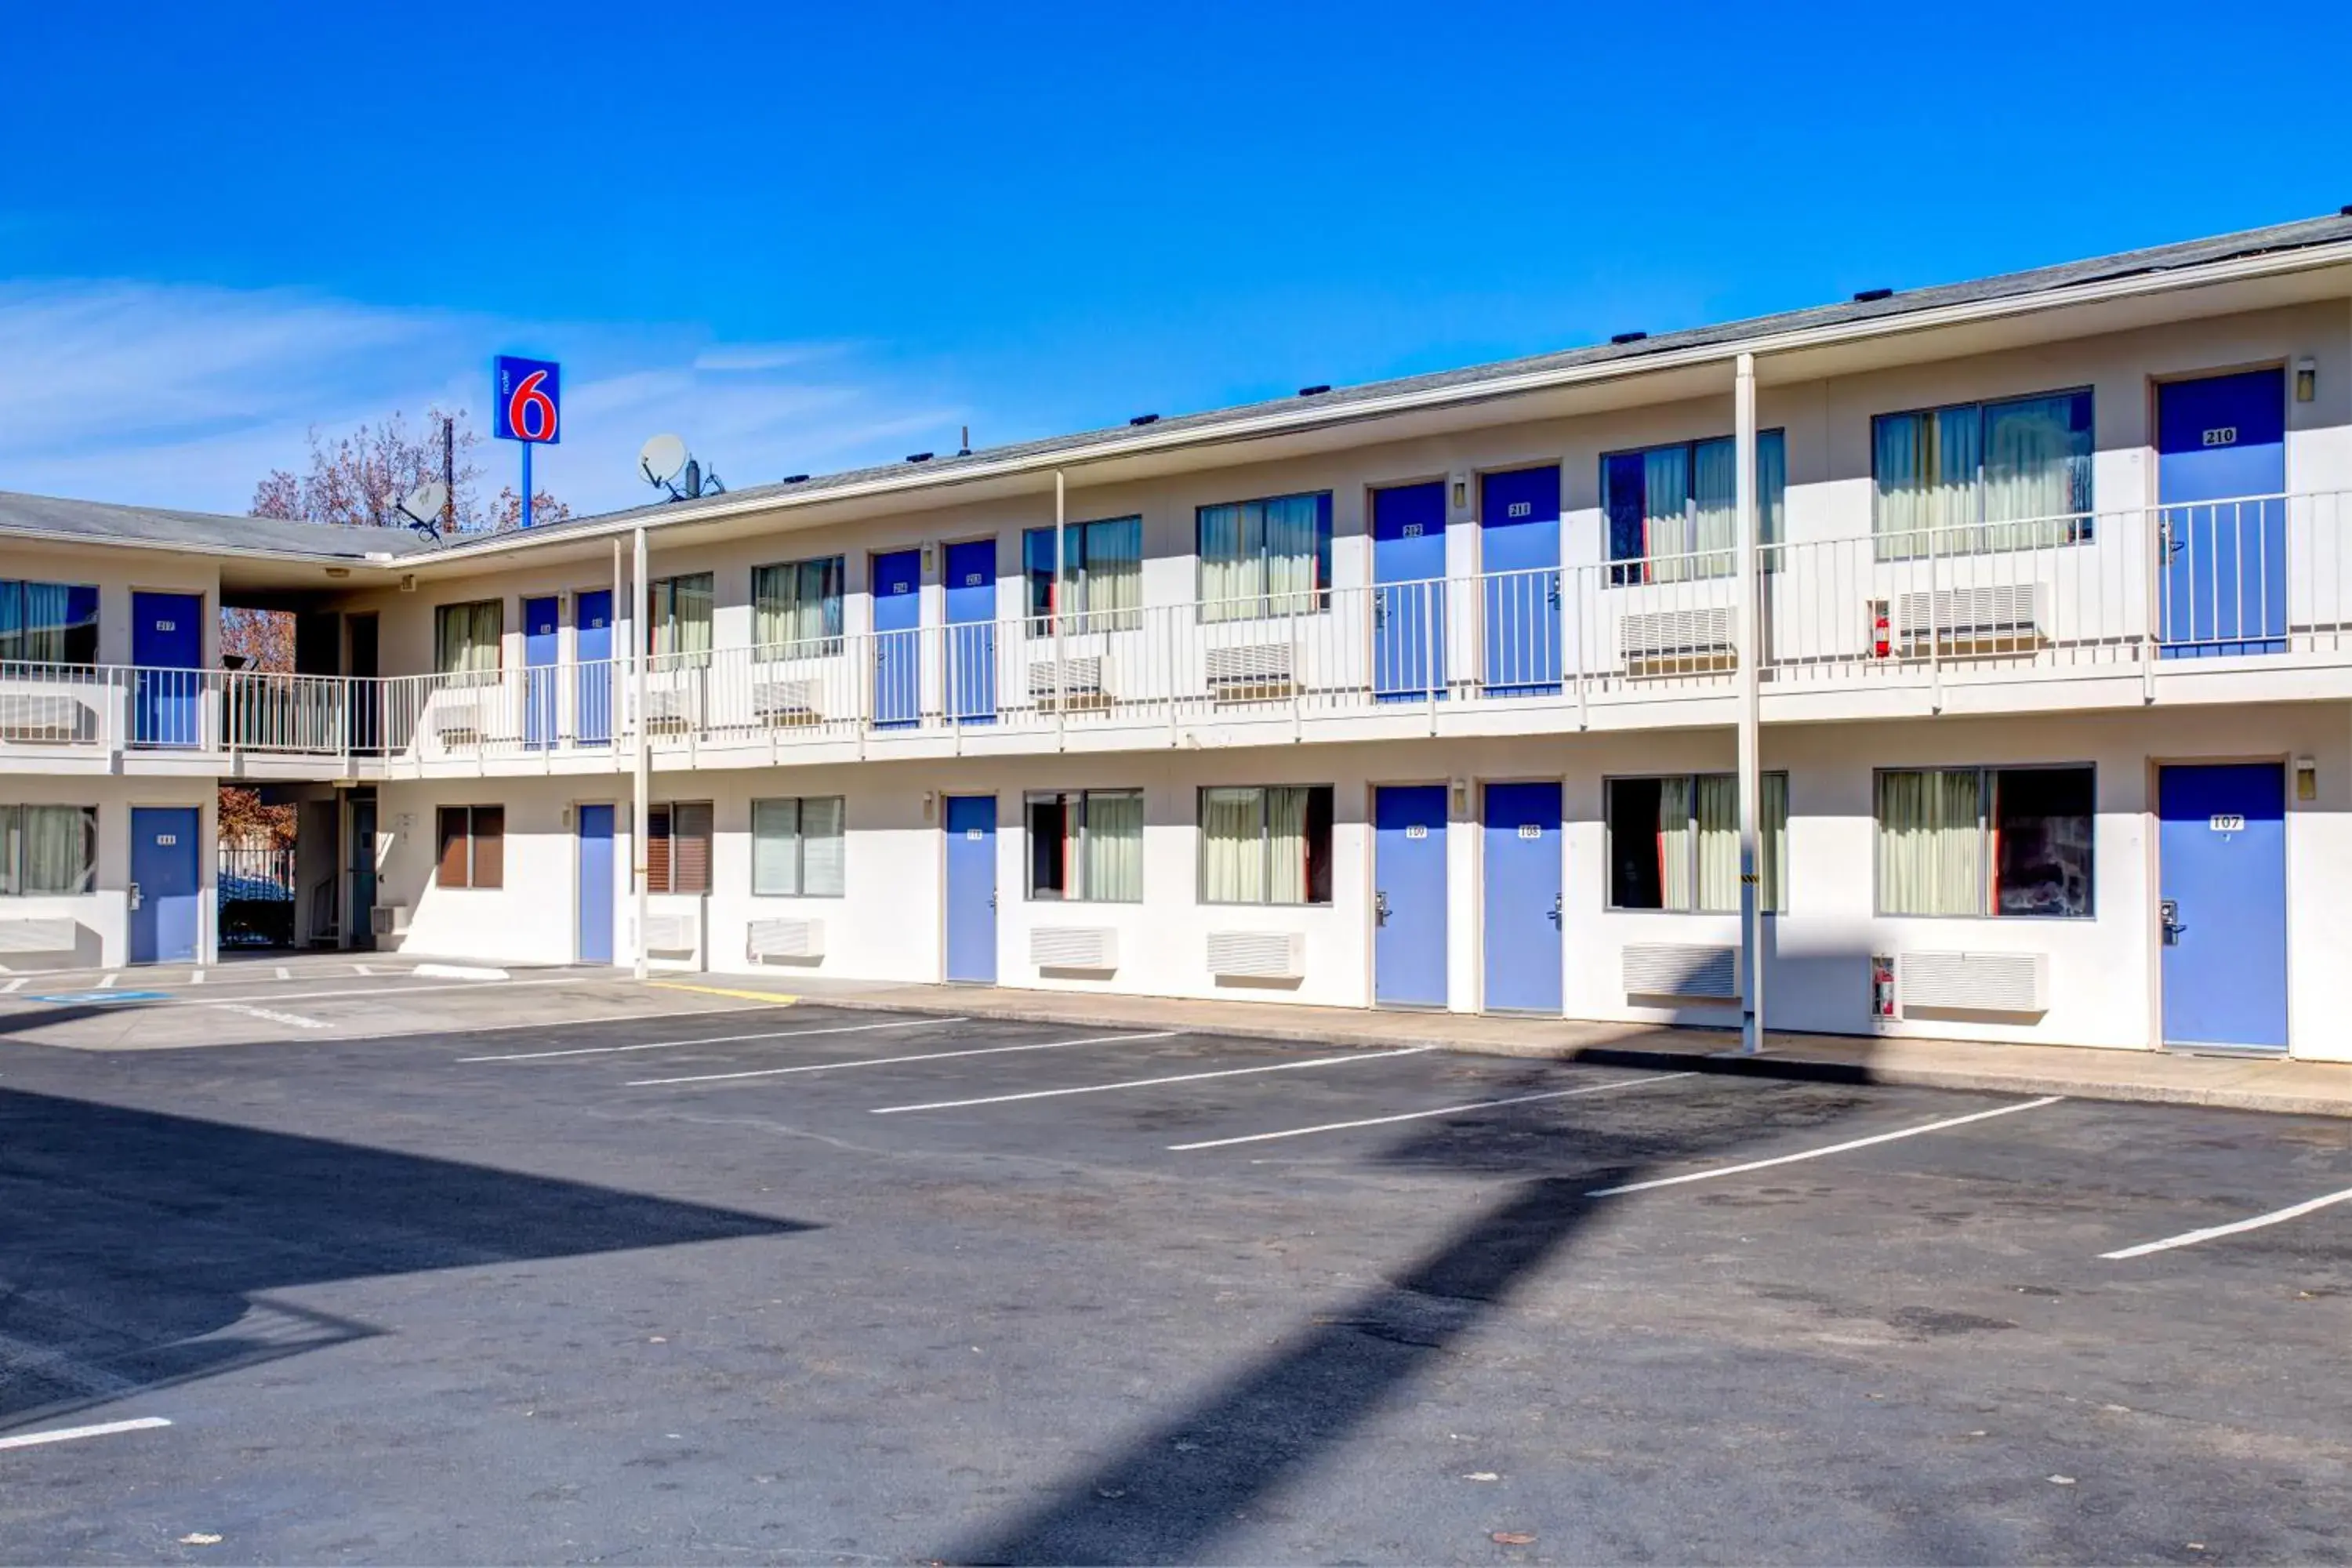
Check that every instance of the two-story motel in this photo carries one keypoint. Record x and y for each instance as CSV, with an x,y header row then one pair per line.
x,y
1420,694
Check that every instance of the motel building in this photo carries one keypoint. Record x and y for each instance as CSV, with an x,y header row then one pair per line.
x,y
1425,694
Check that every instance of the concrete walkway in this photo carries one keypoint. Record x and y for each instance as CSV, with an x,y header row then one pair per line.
x,y
2301,1087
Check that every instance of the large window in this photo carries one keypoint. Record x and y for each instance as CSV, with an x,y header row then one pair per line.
x,y
48,849
1262,558
796,607
1970,476
678,619
1087,846
465,638
1101,586
47,623
797,847
1985,841
1674,511
677,847
1268,845
473,841
1674,843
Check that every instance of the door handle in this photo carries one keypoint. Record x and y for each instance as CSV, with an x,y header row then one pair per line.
x,y
2167,913
135,898
1555,909
1380,907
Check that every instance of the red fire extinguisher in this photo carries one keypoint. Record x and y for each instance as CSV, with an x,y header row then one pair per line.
x,y
1881,987
1882,641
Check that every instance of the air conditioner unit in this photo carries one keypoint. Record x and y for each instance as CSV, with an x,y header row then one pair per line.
x,y
1677,642
388,919
1072,685
672,933
1074,947
1677,969
43,716
1973,982
783,704
785,938
41,933
1959,623
671,709
1258,954
1253,672
457,723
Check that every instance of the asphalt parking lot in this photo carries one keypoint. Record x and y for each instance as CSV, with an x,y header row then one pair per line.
x,y
564,1268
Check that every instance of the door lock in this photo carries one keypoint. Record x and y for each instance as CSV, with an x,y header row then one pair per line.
x,y
1380,907
135,898
2167,913
1555,909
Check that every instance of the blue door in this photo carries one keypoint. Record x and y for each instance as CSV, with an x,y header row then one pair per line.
x,y
539,676
1522,902
592,651
971,888
167,645
972,630
1518,556
897,637
2221,875
2220,466
594,944
1409,578
1409,896
163,842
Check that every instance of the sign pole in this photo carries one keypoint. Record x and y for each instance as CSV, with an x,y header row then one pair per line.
x,y
526,482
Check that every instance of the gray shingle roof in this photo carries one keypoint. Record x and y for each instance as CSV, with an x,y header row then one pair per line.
x,y
198,530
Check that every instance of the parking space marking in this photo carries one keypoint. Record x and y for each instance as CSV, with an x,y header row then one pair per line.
x,y
196,977
438,1029
712,1040
1420,1115
1832,1149
777,999
272,1015
106,982
284,972
73,1433
1154,1082
2214,1233
15,984
893,1061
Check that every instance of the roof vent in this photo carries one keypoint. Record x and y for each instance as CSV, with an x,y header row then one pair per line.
x,y
1871,296
795,478
1317,390
918,457
1145,419
1622,338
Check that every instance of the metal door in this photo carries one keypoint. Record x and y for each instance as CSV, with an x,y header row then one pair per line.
x,y
2221,878
2220,468
1518,560
163,883
897,637
595,942
539,688
1408,604
361,867
167,645
971,888
972,630
592,653
1409,896
1522,937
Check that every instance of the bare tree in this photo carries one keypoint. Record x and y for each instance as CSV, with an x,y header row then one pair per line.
x,y
359,479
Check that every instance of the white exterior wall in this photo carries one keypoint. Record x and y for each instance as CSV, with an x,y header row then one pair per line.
x,y
104,915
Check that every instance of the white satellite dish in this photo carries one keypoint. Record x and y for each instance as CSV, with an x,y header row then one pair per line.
x,y
422,506
663,458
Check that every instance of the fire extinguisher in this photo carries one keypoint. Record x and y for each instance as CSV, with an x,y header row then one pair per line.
x,y
1882,641
1881,987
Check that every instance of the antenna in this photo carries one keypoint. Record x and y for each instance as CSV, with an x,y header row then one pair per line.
x,y
422,508
665,464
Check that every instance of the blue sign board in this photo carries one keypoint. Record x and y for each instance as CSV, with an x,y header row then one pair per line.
x,y
528,401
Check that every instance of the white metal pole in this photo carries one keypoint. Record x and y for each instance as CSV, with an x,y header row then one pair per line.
x,y
642,827
1752,779
1059,600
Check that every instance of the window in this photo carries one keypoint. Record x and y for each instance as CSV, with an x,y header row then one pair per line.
x,y
796,607
1263,558
47,623
465,638
1674,843
1982,476
473,846
1102,586
678,619
678,848
1674,511
797,847
1087,846
48,849
1265,846
1985,841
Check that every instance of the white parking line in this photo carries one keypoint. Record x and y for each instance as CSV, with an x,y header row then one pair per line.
x,y
70,1434
893,1061
710,1040
15,984
2213,1233
196,977
1153,1083
1419,1115
284,972
362,969
106,982
1831,1149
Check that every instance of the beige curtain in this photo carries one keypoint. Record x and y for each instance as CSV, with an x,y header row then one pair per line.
x,y
1931,842
1232,846
1718,843
1285,845
1109,589
1233,566
465,638
681,619
796,607
1110,848
1675,843
2032,455
1774,892
1291,556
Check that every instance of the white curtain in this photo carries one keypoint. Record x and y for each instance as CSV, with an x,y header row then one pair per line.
x,y
1232,564
1666,531
1675,845
465,638
1931,843
682,617
796,607
54,846
1285,845
2036,471
1715,505
1291,554
1112,858
1108,586
1718,842
1926,465
821,846
1232,846
1771,490
1775,848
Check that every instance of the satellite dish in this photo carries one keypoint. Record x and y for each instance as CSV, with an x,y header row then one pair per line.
x,y
661,460
422,506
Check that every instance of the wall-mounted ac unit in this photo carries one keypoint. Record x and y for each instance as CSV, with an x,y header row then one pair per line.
x,y
457,721
1074,947
1959,622
671,706
783,704
1258,954
1073,685
388,919
785,938
1253,672
672,933
40,933
1973,982
1679,969
1677,642
43,716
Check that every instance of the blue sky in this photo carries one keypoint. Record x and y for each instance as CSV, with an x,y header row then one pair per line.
x,y
805,237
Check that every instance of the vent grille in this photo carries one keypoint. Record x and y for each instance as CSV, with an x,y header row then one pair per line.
x,y
1074,947
1999,618
1677,969
1677,642
42,716
1258,954
785,938
1073,683
1252,672
1974,981
672,933
388,919
782,702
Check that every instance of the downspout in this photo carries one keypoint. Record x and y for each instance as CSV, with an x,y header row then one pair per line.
x,y
1752,779
641,828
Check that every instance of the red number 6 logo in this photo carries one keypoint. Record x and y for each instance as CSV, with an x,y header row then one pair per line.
x,y
531,413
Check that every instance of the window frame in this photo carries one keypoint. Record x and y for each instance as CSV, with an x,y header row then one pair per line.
x,y
15,841
667,812
1989,841
1609,783
1075,871
84,630
1329,796
441,665
1320,593
827,643
473,837
799,804
1633,571
2081,524
1058,581
661,611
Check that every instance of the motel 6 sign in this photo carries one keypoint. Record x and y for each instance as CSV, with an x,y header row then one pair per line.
x,y
528,399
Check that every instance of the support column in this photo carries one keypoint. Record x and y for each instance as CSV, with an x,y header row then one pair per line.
x,y
1752,779
641,828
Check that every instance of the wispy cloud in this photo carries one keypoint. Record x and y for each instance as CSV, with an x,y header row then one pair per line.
x,y
185,396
